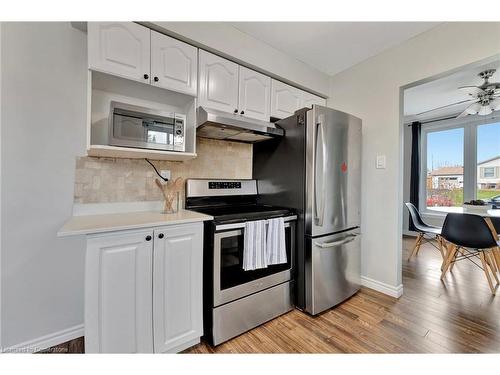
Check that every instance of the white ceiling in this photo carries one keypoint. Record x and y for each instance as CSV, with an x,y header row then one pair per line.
x,y
333,46
444,91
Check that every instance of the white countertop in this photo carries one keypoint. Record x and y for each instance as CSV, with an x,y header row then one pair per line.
x,y
91,224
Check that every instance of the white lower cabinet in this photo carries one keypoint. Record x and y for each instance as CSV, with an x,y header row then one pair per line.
x,y
118,293
177,287
143,290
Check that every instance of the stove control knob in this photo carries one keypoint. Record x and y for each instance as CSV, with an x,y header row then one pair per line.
x,y
160,235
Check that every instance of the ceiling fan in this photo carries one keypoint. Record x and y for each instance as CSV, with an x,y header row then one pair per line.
x,y
485,98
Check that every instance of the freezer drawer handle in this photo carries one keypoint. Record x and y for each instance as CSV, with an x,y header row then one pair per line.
x,y
343,241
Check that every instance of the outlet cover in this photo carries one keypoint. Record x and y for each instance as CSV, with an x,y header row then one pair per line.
x,y
165,173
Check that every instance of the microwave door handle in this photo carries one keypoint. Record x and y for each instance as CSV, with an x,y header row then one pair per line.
x,y
320,202
343,241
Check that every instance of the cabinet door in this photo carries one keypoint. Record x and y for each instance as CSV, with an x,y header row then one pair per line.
x,y
254,94
118,300
174,64
177,287
309,99
218,80
285,99
120,48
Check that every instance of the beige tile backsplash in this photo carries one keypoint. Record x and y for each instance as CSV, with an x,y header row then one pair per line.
x,y
103,180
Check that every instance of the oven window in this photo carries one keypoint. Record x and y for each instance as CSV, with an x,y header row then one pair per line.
x,y
231,262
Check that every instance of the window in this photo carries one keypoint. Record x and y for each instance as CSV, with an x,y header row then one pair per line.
x,y
488,161
460,161
488,172
445,168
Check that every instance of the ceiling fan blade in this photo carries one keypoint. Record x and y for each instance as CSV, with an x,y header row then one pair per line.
x,y
445,106
472,109
495,104
472,90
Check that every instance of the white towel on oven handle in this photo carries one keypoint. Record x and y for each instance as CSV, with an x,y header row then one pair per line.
x,y
254,247
276,247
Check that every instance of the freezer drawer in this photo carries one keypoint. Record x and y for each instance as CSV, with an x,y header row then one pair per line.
x,y
333,269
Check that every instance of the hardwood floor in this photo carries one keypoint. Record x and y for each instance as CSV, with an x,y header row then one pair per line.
x,y
458,315
75,346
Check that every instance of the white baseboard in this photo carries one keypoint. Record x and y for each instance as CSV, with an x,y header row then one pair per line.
x,y
46,341
393,291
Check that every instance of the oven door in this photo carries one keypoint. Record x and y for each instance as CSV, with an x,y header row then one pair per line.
x,y
231,281
130,131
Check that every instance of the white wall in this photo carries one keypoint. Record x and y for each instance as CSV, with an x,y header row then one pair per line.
x,y
370,90
43,91
224,39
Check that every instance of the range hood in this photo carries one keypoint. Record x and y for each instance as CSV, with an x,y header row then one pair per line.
x,y
234,127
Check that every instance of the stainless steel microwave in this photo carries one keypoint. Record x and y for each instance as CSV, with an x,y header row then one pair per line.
x,y
140,127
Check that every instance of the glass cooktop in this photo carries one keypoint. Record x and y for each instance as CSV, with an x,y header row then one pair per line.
x,y
237,213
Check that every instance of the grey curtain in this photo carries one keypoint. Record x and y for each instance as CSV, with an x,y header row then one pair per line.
x,y
416,128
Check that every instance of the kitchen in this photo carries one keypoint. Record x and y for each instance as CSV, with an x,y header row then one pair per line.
x,y
232,104
156,217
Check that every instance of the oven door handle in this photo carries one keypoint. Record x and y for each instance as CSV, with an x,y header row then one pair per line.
x,y
288,219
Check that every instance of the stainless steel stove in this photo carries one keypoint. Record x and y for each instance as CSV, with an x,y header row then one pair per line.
x,y
236,300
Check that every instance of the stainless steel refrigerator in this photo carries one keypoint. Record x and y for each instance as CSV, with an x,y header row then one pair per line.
x,y
316,169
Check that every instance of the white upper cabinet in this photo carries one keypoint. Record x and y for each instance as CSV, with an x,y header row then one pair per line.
x,y
254,94
310,99
177,287
285,99
118,297
218,83
120,48
173,64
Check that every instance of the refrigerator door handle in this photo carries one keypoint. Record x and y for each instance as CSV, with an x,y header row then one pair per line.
x,y
320,203
346,240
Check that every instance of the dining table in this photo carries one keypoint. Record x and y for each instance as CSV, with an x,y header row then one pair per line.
x,y
492,216
493,212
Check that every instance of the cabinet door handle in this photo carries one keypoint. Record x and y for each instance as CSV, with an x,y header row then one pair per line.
x,y
236,110
148,238
156,79
242,112
146,76
160,235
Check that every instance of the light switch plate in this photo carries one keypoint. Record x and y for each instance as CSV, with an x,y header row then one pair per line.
x,y
380,162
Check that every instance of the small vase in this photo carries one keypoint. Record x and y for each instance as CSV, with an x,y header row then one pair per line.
x,y
171,204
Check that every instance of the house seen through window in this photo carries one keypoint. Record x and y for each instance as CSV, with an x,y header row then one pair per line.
x,y
462,163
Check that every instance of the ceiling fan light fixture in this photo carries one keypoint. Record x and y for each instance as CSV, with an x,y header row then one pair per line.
x,y
485,110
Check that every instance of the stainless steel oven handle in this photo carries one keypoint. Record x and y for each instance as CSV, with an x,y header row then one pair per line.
x,y
346,240
288,219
